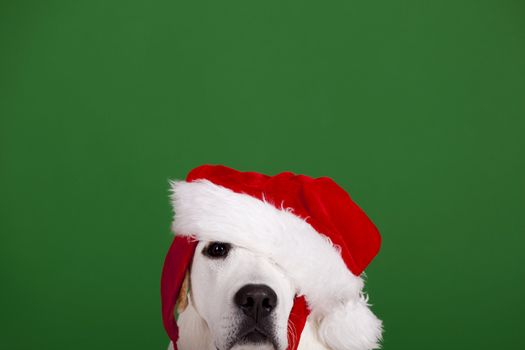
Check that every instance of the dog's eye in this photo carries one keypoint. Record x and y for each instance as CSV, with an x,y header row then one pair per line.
x,y
217,250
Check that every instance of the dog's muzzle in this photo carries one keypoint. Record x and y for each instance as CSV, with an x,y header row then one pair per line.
x,y
256,303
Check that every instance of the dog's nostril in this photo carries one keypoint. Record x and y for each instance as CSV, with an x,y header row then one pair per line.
x,y
256,300
267,304
249,302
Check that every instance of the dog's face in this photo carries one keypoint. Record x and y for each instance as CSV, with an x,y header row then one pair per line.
x,y
244,298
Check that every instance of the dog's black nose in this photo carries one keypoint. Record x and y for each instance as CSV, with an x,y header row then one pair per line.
x,y
256,301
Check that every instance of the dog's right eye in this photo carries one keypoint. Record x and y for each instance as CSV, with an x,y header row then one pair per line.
x,y
217,250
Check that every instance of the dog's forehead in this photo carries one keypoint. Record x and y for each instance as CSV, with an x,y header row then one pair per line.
x,y
242,260
239,251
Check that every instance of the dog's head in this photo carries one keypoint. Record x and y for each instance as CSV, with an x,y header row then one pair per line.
x,y
254,242
243,298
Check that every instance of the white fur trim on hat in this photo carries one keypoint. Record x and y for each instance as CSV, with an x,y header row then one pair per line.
x,y
210,212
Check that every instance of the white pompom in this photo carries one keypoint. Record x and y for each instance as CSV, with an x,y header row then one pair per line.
x,y
351,326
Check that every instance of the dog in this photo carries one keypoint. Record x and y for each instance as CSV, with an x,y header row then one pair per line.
x,y
264,262
238,300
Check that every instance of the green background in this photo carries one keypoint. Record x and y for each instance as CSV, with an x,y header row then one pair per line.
x,y
416,108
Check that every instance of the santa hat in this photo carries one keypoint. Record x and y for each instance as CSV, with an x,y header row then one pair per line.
x,y
309,226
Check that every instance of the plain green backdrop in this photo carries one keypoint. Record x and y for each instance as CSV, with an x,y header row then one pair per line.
x,y
416,108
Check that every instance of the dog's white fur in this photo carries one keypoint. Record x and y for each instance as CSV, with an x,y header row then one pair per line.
x,y
211,316
281,241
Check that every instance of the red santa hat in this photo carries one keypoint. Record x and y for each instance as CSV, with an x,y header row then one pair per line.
x,y
309,226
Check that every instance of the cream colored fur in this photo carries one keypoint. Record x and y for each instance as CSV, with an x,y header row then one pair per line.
x,y
196,336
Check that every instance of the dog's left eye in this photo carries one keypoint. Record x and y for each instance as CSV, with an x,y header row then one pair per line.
x,y
217,250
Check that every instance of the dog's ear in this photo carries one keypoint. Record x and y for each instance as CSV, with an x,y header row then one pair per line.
x,y
182,298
